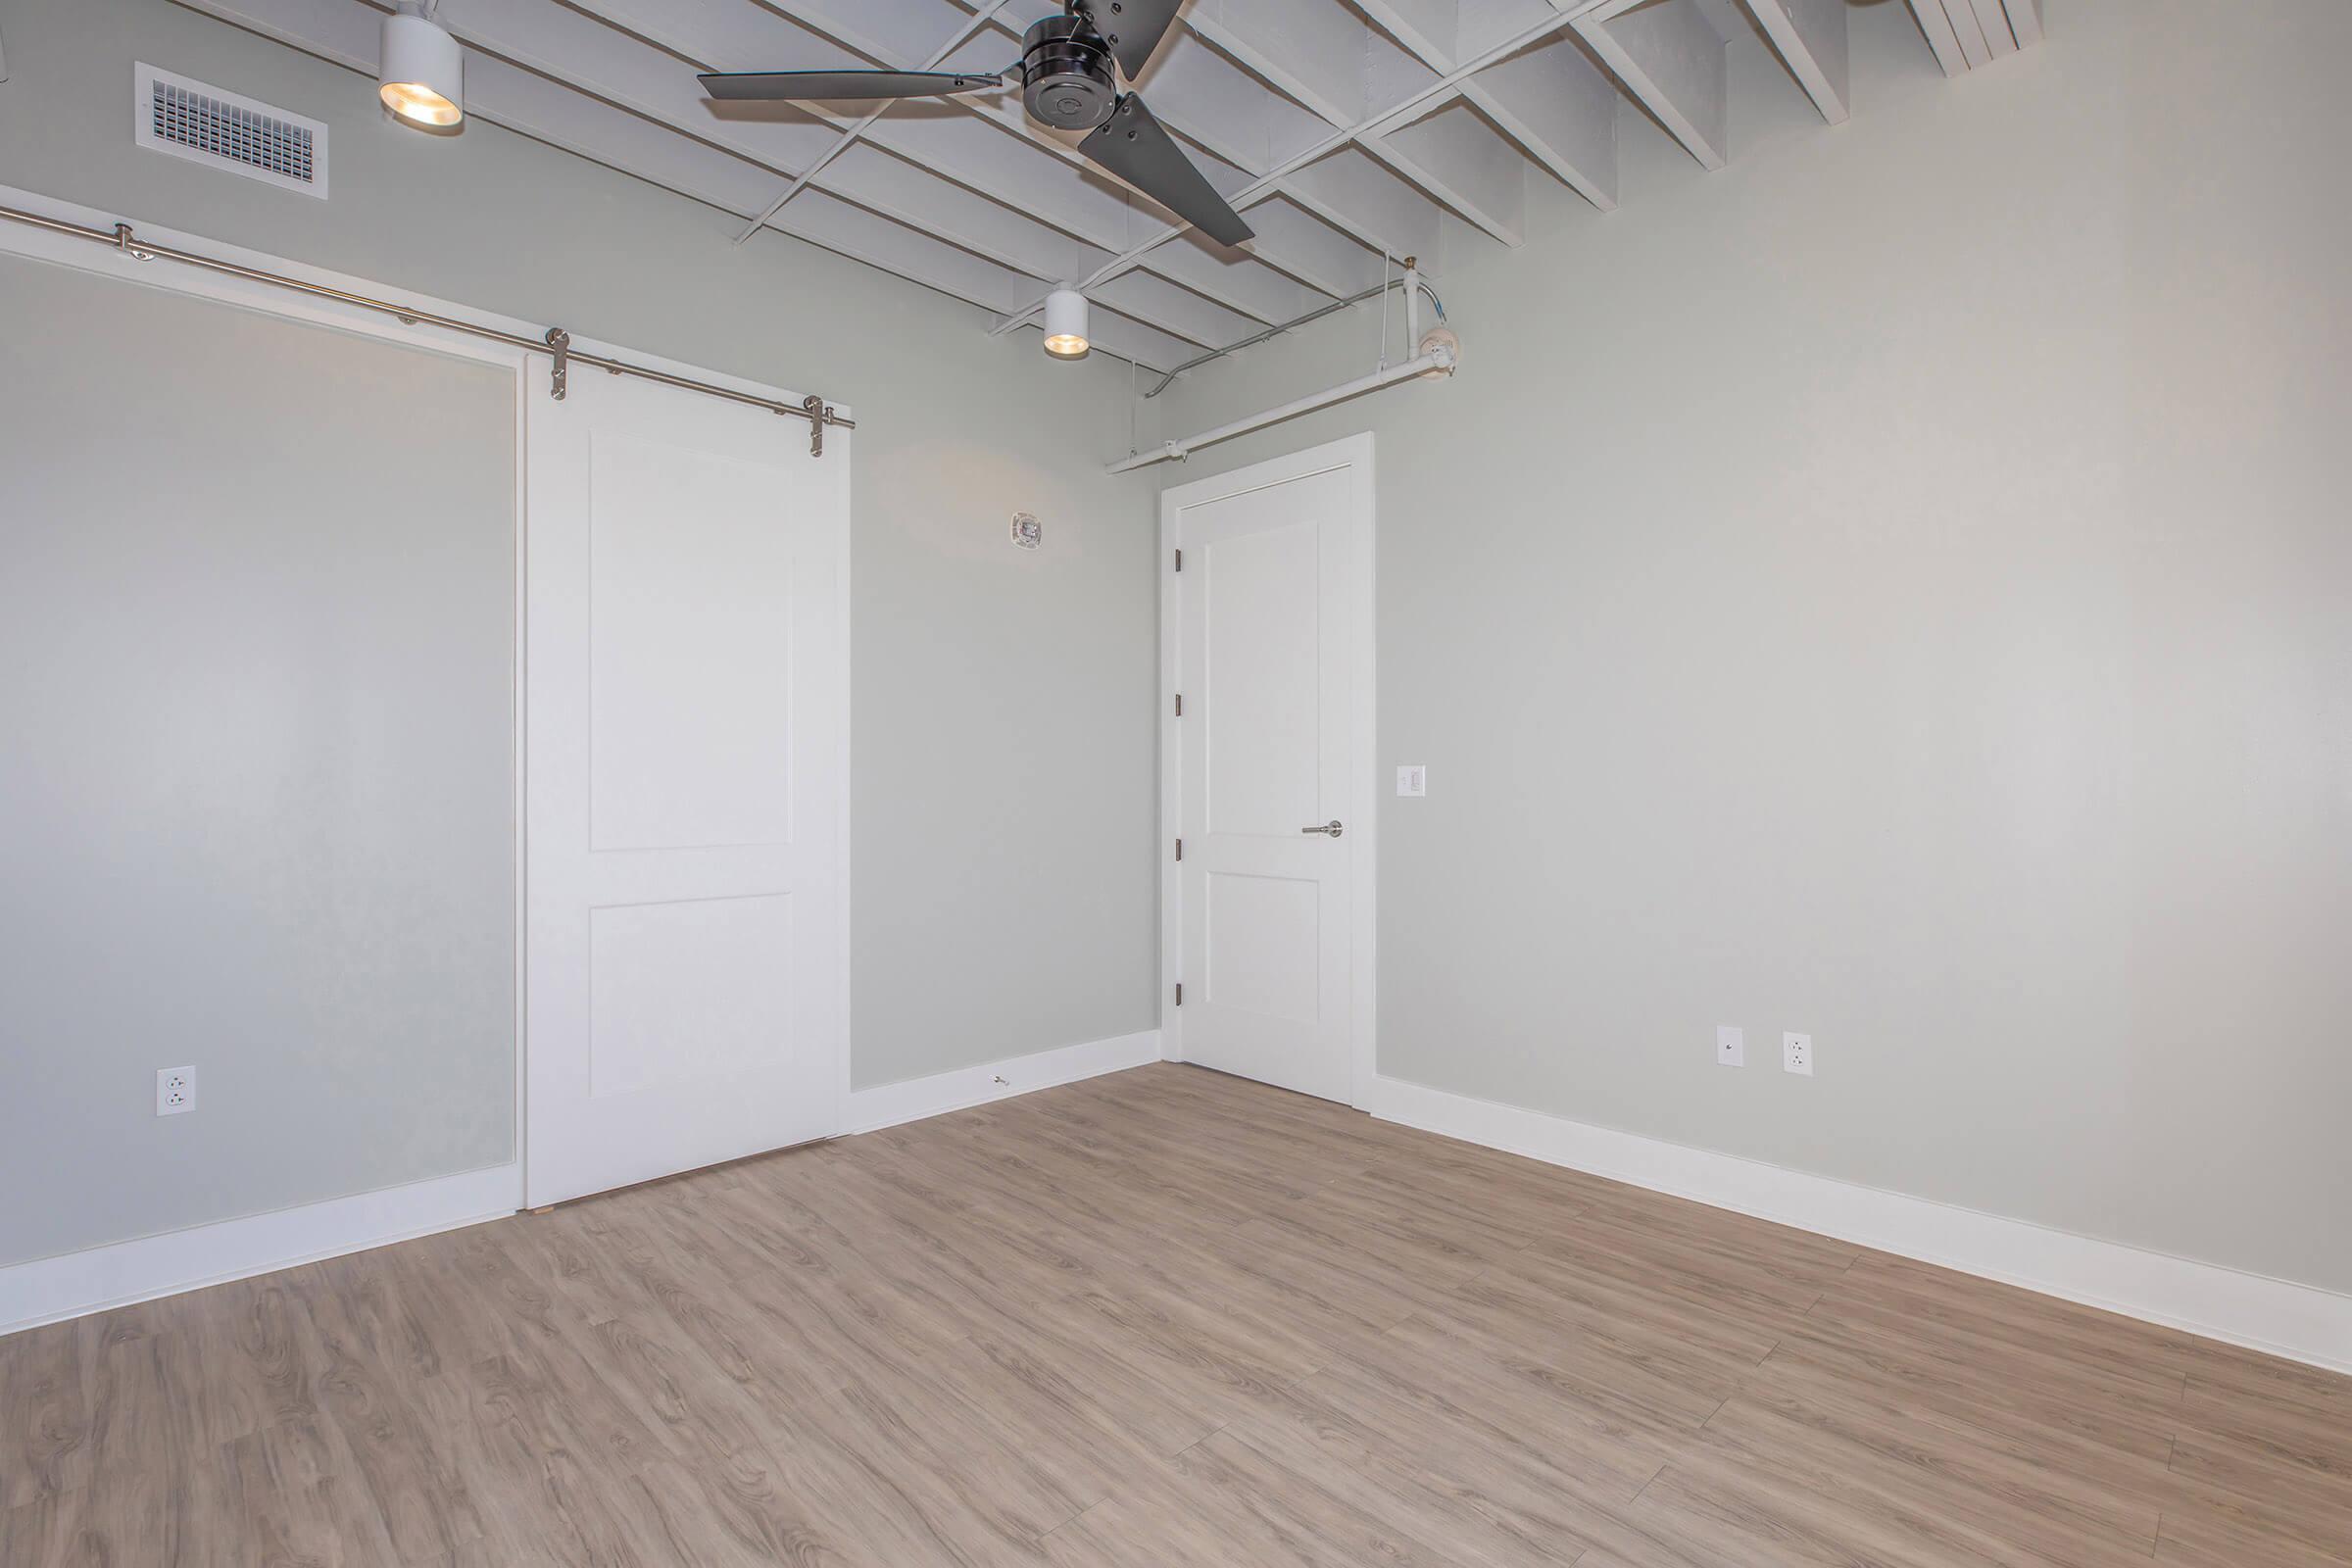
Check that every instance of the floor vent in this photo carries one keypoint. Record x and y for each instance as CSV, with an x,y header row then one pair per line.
x,y
193,120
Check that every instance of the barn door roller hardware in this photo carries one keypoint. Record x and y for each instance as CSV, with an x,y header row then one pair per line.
x,y
556,344
819,413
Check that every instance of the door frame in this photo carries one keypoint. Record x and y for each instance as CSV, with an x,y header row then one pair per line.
x,y
1355,453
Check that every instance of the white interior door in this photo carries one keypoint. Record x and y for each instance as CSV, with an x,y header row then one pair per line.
x,y
687,773
1269,616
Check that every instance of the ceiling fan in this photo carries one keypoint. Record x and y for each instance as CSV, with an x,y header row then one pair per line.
x,y
1066,79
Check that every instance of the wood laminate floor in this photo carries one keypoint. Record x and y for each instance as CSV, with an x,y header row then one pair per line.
x,y
1159,1318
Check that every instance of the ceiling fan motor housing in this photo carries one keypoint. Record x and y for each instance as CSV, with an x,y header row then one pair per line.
x,y
1065,73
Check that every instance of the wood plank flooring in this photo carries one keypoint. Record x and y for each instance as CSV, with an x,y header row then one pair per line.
x,y
1161,1318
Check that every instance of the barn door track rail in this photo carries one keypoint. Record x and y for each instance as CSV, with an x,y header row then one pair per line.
x,y
556,344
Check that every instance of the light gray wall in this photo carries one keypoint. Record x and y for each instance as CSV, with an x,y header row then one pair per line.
x,y
257,792
1897,588
1003,764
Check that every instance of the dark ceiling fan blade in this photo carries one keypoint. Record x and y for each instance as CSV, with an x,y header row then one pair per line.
x,y
1133,145
1133,28
767,86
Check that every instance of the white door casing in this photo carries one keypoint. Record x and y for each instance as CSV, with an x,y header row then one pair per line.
x,y
687,722
1266,636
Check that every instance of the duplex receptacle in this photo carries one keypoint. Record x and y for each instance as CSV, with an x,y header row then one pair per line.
x,y
1796,1052
174,1090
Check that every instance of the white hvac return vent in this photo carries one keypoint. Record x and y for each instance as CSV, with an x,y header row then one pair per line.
x,y
191,120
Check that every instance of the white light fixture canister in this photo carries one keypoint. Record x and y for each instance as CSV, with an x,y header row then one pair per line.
x,y
1065,325
423,77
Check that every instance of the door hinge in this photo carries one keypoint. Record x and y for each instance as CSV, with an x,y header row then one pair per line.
x,y
1180,705
1179,848
1179,561
1180,993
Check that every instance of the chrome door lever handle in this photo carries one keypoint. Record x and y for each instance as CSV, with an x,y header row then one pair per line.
x,y
1333,828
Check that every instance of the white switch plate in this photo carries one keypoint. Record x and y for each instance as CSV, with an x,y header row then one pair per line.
x,y
1796,1052
174,1090
1730,1046
1413,779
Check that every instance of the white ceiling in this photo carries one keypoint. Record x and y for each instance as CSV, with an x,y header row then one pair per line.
x,y
1341,129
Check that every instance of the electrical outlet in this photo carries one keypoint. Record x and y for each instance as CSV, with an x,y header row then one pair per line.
x,y
1796,1052
1413,779
174,1090
1730,1046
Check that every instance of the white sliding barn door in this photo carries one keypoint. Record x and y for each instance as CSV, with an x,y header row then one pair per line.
x,y
1269,915
688,767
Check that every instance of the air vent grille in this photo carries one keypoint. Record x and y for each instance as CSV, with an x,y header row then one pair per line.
x,y
195,120
225,131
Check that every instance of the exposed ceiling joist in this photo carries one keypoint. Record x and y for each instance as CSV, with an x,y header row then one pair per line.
x,y
2025,21
1670,57
1810,35
1272,182
1475,172
1562,109
1969,28
1006,115
1937,25
1965,35
1341,129
850,134
1548,99
1994,21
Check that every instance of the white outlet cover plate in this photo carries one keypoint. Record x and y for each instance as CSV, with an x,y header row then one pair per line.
x,y
174,1090
1413,779
1796,1052
1730,1046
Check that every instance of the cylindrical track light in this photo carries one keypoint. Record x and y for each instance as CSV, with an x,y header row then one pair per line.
x,y
1065,325
422,77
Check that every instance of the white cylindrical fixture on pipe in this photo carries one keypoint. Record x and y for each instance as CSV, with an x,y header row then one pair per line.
x,y
1065,325
422,75
1438,360
1412,307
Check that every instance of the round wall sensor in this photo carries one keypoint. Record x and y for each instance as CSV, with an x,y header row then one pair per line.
x,y
1026,534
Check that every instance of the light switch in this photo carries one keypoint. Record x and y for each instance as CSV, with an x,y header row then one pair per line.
x,y
1413,779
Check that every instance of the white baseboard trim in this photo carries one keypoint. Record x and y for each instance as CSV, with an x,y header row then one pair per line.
x,y
2300,1322
48,1289
888,1104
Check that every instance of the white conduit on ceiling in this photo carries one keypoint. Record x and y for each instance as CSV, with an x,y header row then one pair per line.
x,y
1438,358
